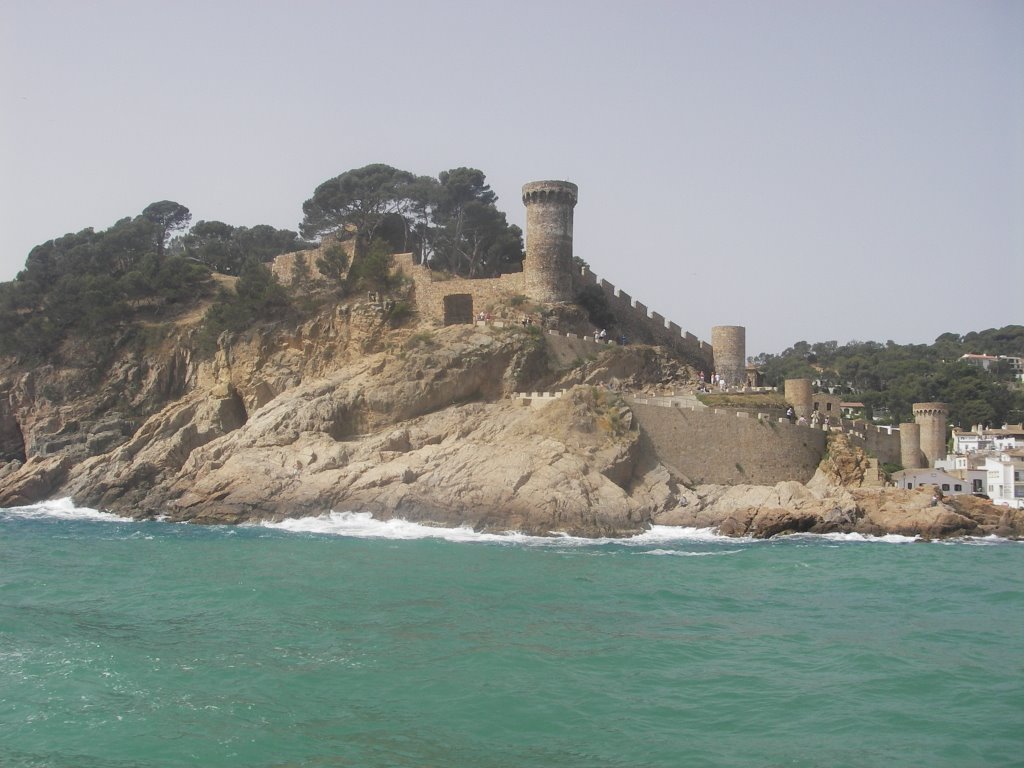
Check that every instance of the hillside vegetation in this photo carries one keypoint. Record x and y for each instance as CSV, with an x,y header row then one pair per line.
x,y
85,297
888,378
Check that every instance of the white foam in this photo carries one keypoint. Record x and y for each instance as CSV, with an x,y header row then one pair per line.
x,y
889,538
363,525
61,509
680,553
658,534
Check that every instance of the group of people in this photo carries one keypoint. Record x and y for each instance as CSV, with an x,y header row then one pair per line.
x,y
717,382
601,336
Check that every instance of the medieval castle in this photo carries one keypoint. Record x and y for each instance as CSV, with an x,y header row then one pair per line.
x,y
549,276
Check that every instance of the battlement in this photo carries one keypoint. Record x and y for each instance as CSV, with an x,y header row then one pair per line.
x,y
536,399
667,333
557,192
930,409
548,276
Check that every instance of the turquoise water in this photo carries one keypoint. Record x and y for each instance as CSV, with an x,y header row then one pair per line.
x,y
345,642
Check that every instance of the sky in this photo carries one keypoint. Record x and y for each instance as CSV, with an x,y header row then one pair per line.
x,y
812,170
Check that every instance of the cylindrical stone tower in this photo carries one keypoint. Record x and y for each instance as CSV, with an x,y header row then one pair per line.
x,y
932,419
730,349
548,265
798,394
910,446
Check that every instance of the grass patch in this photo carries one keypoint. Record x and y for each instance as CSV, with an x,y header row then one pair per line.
x,y
740,400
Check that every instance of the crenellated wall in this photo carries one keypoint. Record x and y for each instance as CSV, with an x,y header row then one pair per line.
x,y
884,443
665,333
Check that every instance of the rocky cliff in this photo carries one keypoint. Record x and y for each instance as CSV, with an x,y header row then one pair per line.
x,y
344,412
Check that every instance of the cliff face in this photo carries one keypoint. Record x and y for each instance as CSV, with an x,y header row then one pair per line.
x,y
342,412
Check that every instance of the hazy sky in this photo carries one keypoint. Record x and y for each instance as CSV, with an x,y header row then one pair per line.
x,y
811,170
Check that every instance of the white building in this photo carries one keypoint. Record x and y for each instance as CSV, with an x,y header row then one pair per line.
x,y
1005,478
987,361
981,361
926,478
1008,437
970,468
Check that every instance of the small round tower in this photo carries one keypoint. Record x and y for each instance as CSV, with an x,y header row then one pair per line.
x,y
547,268
730,349
932,419
910,446
798,394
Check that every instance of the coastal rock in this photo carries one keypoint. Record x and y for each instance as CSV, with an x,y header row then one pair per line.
x,y
343,413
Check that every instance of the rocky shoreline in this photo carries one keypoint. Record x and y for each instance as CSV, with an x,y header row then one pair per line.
x,y
340,414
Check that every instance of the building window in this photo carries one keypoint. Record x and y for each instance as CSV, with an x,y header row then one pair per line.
x,y
945,486
957,487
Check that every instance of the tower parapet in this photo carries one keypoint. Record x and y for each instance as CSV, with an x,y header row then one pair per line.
x,y
932,419
730,345
548,264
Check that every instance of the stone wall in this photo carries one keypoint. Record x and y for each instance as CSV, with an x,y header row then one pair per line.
x,y
728,448
932,418
881,442
660,331
548,262
430,293
730,345
798,394
827,405
283,267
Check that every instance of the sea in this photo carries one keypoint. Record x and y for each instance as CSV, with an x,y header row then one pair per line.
x,y
342,640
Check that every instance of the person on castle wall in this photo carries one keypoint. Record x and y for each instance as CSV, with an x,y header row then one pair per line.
x,y
791,414
604,334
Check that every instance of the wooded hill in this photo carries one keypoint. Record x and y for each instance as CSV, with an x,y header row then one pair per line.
x,y
888,378
93,288
83,296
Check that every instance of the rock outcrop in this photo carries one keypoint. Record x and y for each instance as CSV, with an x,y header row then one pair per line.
x,y
342,412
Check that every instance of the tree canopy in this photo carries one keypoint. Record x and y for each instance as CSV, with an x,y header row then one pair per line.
x,y
88,283
225,249
166,216
452,221
889,378
357,201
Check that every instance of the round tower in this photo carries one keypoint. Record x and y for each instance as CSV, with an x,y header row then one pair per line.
x,y
932,419
548,265
910,446
798,394
729,343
